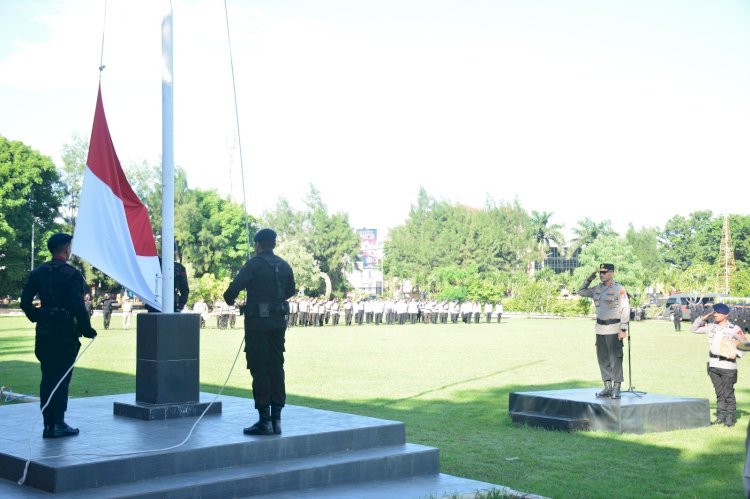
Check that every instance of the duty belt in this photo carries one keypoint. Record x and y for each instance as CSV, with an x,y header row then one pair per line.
x,y
721,357
607,322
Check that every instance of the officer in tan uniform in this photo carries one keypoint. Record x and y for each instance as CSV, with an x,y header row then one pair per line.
x,y
612,316
723,337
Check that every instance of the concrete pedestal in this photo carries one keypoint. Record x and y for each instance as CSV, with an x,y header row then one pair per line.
x,y
167,376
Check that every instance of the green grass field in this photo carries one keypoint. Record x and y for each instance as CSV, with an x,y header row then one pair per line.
x,y
450,385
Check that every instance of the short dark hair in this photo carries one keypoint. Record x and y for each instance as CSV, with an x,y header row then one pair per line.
x,y
58,241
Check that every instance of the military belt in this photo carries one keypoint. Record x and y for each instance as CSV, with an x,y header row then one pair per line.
x,y
607,322
721,357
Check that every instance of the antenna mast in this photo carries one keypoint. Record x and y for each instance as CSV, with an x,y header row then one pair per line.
x,y
726,255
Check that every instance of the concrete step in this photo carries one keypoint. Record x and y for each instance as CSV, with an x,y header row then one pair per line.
x,y
436,485
290,475
550,422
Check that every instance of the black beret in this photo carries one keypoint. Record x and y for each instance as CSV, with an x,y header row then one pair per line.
x,y
58,240
721,308
265,235
607,266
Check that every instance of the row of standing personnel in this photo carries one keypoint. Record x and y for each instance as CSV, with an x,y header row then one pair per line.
x,y
317,312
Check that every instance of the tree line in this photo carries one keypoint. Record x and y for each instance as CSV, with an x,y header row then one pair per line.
x,y
444,250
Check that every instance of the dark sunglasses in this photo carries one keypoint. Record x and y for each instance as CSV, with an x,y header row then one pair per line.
x,y
604,271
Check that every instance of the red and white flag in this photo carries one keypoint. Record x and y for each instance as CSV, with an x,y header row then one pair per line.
x,y
113,232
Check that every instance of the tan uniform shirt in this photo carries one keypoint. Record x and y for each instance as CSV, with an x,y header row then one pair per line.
x,y
611,303
717,332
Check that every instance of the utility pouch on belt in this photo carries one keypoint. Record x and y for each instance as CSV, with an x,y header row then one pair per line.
x,y
264,310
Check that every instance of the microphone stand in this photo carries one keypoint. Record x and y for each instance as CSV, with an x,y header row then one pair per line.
x,y
631,388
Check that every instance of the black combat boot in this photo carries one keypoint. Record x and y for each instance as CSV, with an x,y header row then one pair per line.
x,y
616,390
729,419
607,392
263,426
720,417
276,419
59,428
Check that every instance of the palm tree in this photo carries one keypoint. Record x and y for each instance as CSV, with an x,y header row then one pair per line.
x,y
545,234
587,232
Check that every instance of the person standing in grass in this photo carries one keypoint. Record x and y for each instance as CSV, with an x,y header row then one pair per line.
x,y
612,317
127,312
722,362
268,281
60,320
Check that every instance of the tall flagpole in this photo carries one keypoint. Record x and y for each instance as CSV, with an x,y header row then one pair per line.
x,y
167,172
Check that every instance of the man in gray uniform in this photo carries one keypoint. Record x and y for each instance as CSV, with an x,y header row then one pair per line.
x,y
612,316
723,337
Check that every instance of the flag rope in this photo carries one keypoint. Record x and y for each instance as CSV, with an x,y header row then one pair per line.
x,y
101,52
239,136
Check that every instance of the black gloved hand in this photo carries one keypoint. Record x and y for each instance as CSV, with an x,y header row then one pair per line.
x,y
91,333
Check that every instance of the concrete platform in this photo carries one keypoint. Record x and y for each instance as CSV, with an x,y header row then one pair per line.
x,y
320,452
580,409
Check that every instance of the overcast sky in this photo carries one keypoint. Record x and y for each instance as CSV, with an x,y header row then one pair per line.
x,y
629,110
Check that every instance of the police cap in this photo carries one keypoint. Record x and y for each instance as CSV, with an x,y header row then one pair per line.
x,y
58,241
265,235
607,267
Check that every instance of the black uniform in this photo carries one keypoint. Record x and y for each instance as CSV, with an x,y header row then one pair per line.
x,y
677,316
60,320
269,282
181,288
107,311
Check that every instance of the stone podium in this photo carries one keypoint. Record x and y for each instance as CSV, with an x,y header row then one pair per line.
x,y
167,376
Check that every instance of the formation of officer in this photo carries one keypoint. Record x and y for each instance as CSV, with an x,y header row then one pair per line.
x,y
268,282
723,338
60,320
317,312
612,317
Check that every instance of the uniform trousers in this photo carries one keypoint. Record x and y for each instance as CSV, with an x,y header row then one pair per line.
x,y
55,358
724,381
264,351
609,355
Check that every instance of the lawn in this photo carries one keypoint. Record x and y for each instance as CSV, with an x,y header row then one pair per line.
x,y
450,385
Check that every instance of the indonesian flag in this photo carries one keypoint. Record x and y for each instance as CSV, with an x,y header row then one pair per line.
x,y
113,232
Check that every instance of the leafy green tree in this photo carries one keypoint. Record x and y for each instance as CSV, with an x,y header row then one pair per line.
x,y
740,283
687,241
645,246
74,156
611,249
210,232
330,239
287,222
589,231
30,195
440,235
207,287
306,269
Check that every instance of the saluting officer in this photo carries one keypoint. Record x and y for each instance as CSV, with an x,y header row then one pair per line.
x,y
723,337
60,320
269,282
612,317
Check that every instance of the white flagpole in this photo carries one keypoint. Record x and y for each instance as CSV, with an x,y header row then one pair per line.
x,y
167,172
